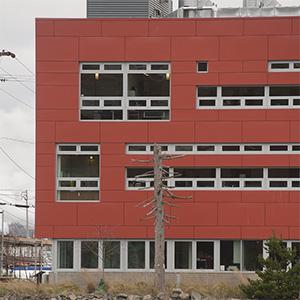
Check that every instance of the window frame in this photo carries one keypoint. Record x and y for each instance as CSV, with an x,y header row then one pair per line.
x,y
125,99
290,68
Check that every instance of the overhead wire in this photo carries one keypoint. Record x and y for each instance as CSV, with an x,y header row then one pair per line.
x,y
17,99
16,140
24,66
16,164
23,220
24,85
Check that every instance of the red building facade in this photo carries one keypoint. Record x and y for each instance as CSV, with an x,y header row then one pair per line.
x,y
224,92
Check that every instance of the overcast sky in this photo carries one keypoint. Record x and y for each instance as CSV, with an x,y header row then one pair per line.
x,y
17,120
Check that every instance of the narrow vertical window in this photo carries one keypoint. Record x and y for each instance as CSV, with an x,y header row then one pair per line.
x,y
65,251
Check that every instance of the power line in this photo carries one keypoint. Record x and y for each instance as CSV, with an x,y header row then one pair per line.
x,y
15,163
24,85
19,100
24,66
17,140
17,217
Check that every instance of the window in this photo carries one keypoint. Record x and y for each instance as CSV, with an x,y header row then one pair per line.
x,y
284,66
230,255
89,254
125,91
248,97
111,254
202,67
78,172
65,256
136,255
296,248
205,255
241,173
252,250
183,255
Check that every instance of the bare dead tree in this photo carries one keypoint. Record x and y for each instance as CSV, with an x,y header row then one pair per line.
x,y
162,197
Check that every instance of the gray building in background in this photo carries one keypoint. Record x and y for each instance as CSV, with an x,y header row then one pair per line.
x,y
128,8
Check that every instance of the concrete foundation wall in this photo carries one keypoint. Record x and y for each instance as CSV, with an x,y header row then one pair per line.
x,y
83,278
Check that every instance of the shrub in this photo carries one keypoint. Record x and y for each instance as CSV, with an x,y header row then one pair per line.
x,y
280,278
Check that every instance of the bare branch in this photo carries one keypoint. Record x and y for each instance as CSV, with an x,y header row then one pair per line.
x,y
142,203
142,160
151,211
169,157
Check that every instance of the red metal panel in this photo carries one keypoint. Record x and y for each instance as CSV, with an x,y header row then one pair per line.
x,y
221,27
44,27
124,27
284,47
172,28
268,26
82,27
287,214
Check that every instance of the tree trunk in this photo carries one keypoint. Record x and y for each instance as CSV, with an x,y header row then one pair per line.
x,y
159,259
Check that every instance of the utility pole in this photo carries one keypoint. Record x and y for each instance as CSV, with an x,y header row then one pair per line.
x,y
159,221
25,197
2,243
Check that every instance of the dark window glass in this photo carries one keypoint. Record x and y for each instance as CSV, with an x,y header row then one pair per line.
x,y
204,184
152,255
89,254
159,67
137,102
195,173
183,255
207,103
148,85
278,148
101,114
252,250
279,65
159,102
65,254
205,255
183,148
133,172
296,65
253,148
278,102
137,67
79,166
284,173
285,90
252,184
111,254
296,248
230,184
136,255
148,114
296,101
183,184
90,67
278,184
112,67
112,102
163,148
67,148
102,85
88,183
90,102
295,184
137,148
254,102
230,254
296,147
202,66
231,102
78,195
242,173
91,148
67,183
207,91
231,148
206,148
243,91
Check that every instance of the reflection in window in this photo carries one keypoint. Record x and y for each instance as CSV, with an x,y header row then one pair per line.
x,y
252,250
111,254
205,255
89,254
183,255
230,255
136,255
65,254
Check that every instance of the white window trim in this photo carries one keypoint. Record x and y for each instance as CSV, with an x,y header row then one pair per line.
x,y
77,180
217,149
125,107
289,69
266,101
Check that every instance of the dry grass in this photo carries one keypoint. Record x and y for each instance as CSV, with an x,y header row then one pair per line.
x,y
27,288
